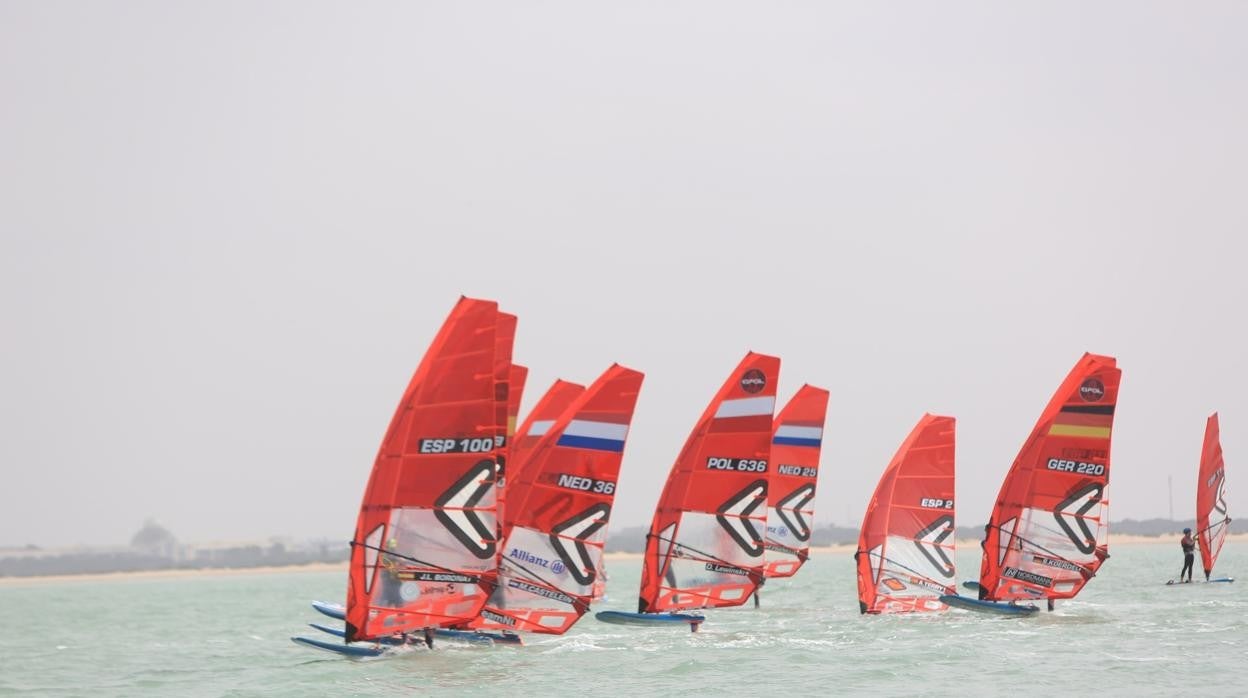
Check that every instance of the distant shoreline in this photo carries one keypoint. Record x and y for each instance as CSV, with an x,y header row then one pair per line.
x,y
846,549
174,573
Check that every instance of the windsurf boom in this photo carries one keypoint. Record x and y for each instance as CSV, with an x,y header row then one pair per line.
x,y
906,550
1212,519
705,546
793,474
1047,534
425,548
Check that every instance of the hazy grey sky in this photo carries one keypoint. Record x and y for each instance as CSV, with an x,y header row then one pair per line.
x,y
229,230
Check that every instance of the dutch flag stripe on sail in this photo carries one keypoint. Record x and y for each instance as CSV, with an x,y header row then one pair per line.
x,y
541,427
600,436
794,435
746,407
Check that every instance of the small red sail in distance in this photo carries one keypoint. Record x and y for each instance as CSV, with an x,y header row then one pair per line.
x,y
906,550
705,546
1212,519
1047,535
793,473
557,398
425,547
552,555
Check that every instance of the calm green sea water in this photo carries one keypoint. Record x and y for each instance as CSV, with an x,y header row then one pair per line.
x,y
1127,634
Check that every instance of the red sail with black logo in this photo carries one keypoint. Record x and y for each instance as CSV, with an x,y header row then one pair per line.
x,y
557,398
1212,520
906,549
425,549
1048,532
705,546
561,503
793,475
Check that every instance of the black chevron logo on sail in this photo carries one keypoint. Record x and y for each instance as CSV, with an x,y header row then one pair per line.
x,y
1081,500
455,509
578,528
1219,504
733,516
789,510
928,542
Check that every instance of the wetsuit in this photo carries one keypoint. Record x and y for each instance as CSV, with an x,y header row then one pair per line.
x,y
391,585
1189,556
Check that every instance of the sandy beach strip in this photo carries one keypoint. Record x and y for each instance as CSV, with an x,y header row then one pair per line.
x,y
175,574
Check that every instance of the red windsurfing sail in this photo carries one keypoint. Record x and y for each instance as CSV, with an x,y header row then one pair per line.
x,y
906,547
705,546
1212,520
515,390
508,405
425,547
1048,532
552,555
557,398
793,474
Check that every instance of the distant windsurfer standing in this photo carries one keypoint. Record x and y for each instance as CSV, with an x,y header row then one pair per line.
x,y
1189,555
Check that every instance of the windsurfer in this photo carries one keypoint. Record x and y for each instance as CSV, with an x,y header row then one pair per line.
x,y
390,583
1189,550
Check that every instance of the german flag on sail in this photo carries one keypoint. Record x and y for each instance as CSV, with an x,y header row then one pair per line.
x,y
1087,421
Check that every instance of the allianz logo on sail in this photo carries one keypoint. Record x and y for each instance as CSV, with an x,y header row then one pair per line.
x,y
778,531
527,557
